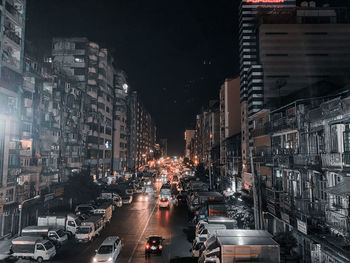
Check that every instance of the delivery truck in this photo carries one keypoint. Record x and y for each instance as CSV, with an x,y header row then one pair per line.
x,y
199,199
33,248
106,210
90,228
56,235
242,246
67,222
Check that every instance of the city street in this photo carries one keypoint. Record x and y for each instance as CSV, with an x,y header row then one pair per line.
x,y
133,224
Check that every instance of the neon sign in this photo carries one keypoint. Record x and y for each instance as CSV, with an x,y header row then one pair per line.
x,y
265,1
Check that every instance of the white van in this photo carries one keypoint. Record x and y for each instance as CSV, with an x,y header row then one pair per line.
x,y
109,250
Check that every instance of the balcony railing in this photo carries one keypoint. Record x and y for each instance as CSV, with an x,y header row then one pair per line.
x,y
346,158
13,11
307,160
331,160
12,35
284,123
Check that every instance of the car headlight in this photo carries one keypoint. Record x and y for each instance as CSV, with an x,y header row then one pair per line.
x,y
141,198
110,259
95,260
146,198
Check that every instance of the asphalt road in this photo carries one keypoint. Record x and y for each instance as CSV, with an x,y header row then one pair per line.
x,y
133,224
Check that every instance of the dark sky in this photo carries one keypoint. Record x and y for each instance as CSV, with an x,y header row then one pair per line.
x,y
163,45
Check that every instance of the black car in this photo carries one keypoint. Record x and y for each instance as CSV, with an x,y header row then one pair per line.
x,y
180,200
154,245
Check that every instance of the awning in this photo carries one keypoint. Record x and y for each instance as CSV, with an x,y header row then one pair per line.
x,y
340,121
342,189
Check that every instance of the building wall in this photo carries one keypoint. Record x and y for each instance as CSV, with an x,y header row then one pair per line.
x,y
294,56
189,136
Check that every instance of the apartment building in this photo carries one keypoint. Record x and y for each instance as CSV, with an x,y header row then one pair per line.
x,y
142,135
120,128
92,69
230,120
11,69
189,137
300,157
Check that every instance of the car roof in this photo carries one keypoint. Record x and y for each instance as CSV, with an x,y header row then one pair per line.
x,y
109,240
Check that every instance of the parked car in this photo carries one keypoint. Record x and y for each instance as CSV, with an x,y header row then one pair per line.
x,y
154,245
108,250
164,202
84,209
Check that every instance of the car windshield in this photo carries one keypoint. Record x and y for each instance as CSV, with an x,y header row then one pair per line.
x,y
105,250
48,245
60,233
83,230
154,240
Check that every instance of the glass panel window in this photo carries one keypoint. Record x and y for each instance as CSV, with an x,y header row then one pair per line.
x,y
334,139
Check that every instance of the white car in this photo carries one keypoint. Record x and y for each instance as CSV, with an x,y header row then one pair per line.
x,y
109,250
164,202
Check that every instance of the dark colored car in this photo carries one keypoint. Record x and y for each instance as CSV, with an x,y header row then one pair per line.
x,y
180,200
154,245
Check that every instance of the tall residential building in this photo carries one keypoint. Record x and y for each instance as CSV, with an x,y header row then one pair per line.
x,y
142,135
11,69
120,129
163,143
230,123
92,69
189,137
251,77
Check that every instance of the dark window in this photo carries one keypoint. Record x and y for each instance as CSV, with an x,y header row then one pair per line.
x,y
108,131
276,33
79,71
277,55
102,129
80,45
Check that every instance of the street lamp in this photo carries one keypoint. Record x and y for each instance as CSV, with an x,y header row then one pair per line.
x,y
20,206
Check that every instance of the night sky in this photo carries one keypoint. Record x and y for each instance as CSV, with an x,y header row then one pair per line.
x,y
176,53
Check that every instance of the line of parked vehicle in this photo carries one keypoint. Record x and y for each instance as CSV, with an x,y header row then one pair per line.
x,y
42,241
217,237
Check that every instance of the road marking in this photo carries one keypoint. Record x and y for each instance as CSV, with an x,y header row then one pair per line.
x,y
143,231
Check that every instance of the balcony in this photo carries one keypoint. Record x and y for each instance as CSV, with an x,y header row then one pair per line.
x,y
346,158
285,201
13,12
332,160
284,123
303,160
338,221
11,34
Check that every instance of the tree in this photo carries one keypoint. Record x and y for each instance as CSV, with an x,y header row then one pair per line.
x,y
81,188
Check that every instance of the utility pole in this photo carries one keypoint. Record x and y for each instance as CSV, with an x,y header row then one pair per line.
x,y
209,170
256,189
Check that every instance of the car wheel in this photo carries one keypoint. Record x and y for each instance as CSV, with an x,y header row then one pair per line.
x,y
40,259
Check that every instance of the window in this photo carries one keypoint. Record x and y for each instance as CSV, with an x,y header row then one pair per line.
x,y
80,45
334,139
40,247
79,71
9,195
122,128
102,129
108,131
79,59
107,109
117,117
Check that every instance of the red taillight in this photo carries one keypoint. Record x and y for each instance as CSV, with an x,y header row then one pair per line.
x,y
147,246
160,246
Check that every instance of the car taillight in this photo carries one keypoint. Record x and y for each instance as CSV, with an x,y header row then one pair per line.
x,y
160,246
147,246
